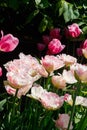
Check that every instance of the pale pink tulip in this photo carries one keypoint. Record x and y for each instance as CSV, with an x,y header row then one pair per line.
x,y
51,63
63,121
25,70
58,81
69,76
81,101
36,92
49,100
23,90
8,42
67,59
20,91
80,72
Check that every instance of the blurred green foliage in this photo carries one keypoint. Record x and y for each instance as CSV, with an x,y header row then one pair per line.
x,y
40,15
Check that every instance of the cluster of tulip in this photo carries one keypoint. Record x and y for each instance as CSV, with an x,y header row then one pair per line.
x,y
57,80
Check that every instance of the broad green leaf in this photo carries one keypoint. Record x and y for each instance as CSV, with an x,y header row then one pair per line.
x,y
67,10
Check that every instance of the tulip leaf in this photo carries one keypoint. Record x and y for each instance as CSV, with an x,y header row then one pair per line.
x,y
2,103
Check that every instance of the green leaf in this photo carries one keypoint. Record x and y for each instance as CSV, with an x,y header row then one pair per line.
x,y
43,24
37,2
44,4
2,103
65,6
84,29
66,16
61,10
83,122
76,13
68,11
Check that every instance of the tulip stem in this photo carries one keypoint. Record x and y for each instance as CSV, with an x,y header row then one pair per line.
x,y
73,107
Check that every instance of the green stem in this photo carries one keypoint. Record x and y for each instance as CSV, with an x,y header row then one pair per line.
x,y
13,110
73,107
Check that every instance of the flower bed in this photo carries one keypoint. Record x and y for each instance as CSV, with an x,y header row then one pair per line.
x,y
49,92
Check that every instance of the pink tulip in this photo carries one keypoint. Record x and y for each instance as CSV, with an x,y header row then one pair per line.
x,y
79,51
41,46
8,42
55,46
84,44
0,71
46,39
82,49
55,33
73,31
